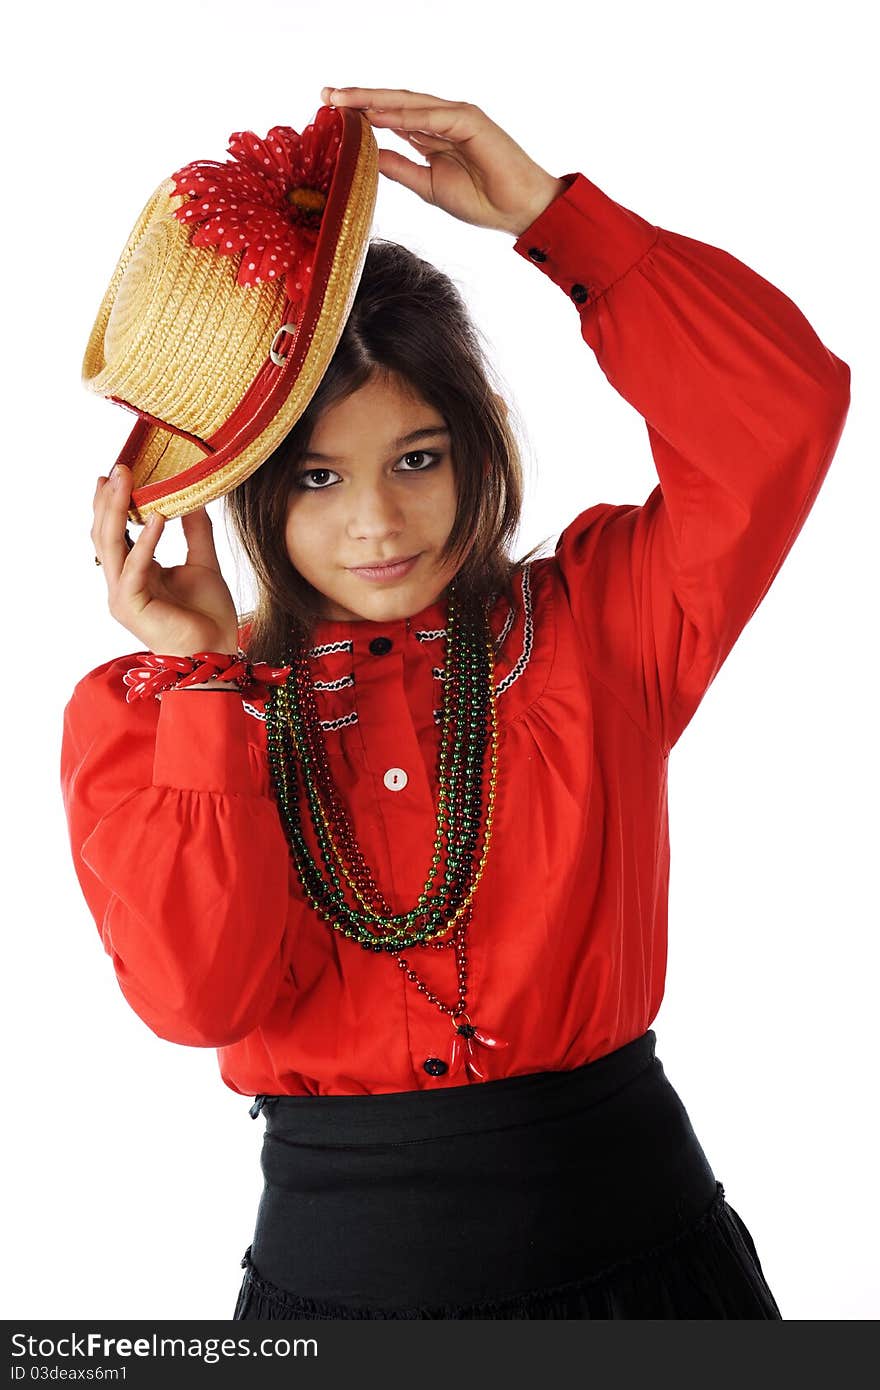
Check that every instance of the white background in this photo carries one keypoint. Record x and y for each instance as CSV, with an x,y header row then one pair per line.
x,y
132,1172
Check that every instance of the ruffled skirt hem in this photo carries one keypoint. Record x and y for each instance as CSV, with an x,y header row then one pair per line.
x,y
710,1270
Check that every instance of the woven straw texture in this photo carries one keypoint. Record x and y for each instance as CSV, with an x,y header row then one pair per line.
x,y
178,339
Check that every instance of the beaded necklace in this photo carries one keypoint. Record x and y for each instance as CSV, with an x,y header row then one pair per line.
x,y
442,912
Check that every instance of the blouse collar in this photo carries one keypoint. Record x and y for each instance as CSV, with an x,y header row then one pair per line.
x,y
432,618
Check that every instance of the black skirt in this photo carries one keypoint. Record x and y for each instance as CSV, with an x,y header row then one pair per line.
x,y
562,1194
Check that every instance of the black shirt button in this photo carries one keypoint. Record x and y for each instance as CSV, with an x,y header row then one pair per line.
x,y
537,254
435,1066
380,645
579,293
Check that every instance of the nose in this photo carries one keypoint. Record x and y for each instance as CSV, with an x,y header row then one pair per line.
x,y
375,514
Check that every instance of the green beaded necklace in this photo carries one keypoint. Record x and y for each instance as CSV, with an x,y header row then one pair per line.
x,y
442,911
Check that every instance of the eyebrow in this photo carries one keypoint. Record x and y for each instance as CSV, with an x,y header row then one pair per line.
x,y
429,432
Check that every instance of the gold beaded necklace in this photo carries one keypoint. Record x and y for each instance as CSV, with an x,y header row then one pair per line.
x,y
469,740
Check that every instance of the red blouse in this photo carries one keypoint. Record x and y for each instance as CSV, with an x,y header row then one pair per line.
x,y
176,838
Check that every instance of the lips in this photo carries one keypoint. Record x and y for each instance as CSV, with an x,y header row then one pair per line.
x,y
389,569
385,564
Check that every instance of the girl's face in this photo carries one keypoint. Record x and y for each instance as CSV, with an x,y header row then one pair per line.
x,y
369,492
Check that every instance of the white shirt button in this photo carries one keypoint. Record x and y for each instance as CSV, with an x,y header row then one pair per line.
x,y
395,779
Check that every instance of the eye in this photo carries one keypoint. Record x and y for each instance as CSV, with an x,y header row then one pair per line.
x,y
431,455
312,473
314,479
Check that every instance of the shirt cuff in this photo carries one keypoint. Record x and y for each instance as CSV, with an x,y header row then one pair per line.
x,y
584,241
202,743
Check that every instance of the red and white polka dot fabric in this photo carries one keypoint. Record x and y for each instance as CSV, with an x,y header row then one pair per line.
x,y
265,205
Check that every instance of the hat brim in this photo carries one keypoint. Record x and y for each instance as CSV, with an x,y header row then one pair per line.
x,y
174,475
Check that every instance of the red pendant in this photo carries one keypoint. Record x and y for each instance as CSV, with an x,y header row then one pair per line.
x,y
463,1047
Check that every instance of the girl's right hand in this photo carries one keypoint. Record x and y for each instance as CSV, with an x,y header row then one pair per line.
x,y
176,611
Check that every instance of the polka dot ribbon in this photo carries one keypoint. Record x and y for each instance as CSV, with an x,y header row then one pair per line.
x,y
157,673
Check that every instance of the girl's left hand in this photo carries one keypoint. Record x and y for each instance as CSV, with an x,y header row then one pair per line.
x,y
476,171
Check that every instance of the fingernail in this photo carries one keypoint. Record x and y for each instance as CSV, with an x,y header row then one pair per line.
x,y
117,477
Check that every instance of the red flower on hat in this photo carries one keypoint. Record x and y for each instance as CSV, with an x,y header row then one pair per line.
x,y
267,206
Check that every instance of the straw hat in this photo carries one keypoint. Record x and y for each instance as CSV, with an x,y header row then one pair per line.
x,y
228,302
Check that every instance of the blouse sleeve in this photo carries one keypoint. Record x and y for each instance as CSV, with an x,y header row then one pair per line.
x,y
744,408
179,852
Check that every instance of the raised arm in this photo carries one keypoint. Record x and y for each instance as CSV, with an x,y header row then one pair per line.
x,y
744,408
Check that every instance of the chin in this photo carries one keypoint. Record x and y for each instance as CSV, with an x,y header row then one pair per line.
x,y
370,607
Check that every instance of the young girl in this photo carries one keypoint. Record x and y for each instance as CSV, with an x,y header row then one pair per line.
x,y
413,888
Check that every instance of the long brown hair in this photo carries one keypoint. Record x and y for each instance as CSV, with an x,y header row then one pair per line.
x,y
408,320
